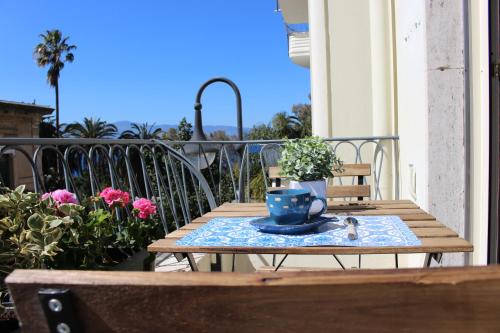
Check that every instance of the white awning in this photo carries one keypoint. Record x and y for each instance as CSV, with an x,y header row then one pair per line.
x,y
294,11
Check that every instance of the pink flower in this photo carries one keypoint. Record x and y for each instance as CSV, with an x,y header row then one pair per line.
x,y
61,197
115,197
145,207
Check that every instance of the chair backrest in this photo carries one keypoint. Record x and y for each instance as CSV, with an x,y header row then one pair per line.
x,y
358,189
425,300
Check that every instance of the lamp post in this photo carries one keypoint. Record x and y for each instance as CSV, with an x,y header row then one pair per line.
x,y
203,155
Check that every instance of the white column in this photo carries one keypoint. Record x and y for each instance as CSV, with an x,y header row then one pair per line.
x,y
320,68
479,129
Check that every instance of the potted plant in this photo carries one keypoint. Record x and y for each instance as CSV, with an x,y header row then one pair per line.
x,y
307,163
56,231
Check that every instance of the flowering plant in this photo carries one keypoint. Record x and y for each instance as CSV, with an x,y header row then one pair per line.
x,y
61,197
140,229
115,198
32,230
56,230
144,208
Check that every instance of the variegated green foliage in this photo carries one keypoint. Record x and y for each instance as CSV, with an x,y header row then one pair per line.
x,y
36,233
31,231
308,159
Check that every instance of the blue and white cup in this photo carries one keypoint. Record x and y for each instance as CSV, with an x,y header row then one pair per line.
x,y
290,206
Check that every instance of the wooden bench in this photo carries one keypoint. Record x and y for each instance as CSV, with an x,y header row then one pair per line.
x,y
426,300
359,190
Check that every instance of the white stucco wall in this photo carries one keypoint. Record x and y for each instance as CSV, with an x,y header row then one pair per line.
x,y
448,117
320,64
479,130
412,117
361,74
411,85
351,69
405,73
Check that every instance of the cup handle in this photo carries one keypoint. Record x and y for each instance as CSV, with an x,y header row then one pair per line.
x,y
325,206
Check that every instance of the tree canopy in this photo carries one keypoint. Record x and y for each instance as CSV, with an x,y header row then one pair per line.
x,y
54,51
142,131
91,128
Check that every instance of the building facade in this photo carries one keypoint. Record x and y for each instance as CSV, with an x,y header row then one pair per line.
x,y
415,69
20,120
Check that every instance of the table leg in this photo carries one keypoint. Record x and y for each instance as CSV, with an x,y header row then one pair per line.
x,y
217,266
281,262
192,262
339,262
190,258
179,256
429,256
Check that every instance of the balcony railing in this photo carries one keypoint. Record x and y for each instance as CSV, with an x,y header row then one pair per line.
x,y
234,170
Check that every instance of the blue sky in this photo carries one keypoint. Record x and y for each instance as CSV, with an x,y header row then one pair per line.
x,y
144,60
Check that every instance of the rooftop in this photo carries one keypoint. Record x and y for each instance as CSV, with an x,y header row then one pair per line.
x,y
26,107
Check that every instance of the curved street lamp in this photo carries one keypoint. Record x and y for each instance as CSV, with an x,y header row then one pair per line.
x,y
203,155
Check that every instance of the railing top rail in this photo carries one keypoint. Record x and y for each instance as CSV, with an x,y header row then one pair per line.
x,y
78,141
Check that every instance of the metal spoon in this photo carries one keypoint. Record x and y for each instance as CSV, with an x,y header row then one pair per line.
x,y
351,224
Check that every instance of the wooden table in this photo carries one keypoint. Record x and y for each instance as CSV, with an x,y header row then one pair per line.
x,y
436,238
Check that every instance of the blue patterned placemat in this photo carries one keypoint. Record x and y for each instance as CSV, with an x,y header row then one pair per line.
x,y
237,231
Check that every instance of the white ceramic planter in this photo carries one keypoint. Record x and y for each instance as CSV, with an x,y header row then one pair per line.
x,y
317,188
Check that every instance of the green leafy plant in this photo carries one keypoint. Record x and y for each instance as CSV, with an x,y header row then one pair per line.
x,y
308,159
56,231
30,231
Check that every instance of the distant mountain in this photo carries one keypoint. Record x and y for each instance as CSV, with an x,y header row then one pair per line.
x,y
230,130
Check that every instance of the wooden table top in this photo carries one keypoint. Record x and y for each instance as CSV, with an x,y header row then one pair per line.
x,y
435,237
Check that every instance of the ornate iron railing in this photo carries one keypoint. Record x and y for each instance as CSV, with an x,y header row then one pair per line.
x,y
231,170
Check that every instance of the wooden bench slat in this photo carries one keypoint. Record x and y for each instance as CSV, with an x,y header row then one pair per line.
x,y
421,232
264,212
347,191
341,191
363,169
349,170
434,232
275,172
405,216
331,301
343,202
432,223
429,245
295,269
424,224
339,202
178,234
331,205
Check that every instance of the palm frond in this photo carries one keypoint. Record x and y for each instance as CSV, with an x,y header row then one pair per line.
x,y
53,51
142,131
91,128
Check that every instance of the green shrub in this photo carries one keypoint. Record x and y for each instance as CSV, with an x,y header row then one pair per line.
x,y
39,232
308,159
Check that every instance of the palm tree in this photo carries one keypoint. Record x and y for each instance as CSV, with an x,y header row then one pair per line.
x,y
286,126
142,131
91,128
54,51
303,114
